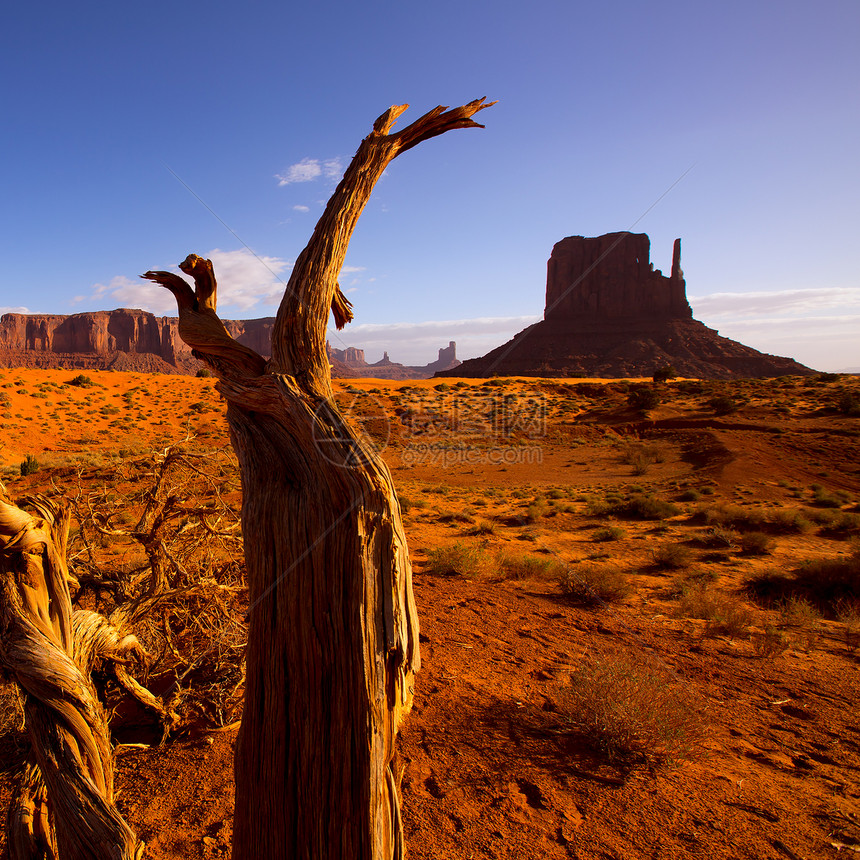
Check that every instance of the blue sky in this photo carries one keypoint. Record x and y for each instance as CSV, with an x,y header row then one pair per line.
x,y
135,134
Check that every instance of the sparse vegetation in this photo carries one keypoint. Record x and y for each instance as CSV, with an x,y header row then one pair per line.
x,y
643,397
826,583
30,465
672,556
684,529
459,559
608,533
525,566
722,405
756,543
81,381
770,642
725,615
632,711
593,584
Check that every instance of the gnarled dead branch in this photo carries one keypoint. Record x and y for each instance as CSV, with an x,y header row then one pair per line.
x,y
65,807
333,639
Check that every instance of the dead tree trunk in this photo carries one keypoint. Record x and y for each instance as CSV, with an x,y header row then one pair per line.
x,y
333,639
65,804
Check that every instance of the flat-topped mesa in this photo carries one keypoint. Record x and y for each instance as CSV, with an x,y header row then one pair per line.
x,y
611,277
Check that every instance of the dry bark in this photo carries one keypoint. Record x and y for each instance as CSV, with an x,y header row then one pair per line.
x,y
65,804
333,639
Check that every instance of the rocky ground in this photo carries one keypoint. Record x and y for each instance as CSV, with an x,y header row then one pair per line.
x,y
575,544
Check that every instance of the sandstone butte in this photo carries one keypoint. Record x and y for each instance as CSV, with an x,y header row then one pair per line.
x,y
138,341
609,313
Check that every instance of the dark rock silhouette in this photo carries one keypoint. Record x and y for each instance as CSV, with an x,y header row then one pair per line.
x,y
609,313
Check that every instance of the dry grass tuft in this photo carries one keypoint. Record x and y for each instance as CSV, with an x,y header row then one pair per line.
x,y
725,615
460,559
770,643
848,614
632,711
593,584
672,556
522,566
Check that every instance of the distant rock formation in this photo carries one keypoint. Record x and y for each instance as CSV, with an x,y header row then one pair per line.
x,y
350,363
135,340
609,313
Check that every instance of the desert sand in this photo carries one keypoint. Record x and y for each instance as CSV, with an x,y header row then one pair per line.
x,y
506,484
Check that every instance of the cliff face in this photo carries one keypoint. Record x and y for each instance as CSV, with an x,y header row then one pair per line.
x,y
135,340
94,340
609,313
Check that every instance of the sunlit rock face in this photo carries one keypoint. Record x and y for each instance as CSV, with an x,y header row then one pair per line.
x,y
609,313
136,340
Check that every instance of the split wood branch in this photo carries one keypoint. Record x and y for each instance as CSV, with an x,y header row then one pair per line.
x,y
73,762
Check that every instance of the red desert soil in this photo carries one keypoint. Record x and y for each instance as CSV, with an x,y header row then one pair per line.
x,y
493,765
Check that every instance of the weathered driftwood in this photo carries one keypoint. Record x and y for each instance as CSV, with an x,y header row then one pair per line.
x,y
333,640
65,805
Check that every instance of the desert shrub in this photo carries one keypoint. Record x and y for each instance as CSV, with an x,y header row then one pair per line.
x,y
457,517
746,519
849,403
647,507
720,537
672,556
81,381
664,374
722,405
537,509
523,566
803,618
484,527
756,543
848,613
30,465
827,583
835,523
770,643
789,521
725,615
826,499
459,560
609,533
203,373
689,495
593,584
631,710
640,457
643,397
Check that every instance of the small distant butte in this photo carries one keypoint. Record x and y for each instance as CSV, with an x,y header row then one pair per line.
x,y
609,313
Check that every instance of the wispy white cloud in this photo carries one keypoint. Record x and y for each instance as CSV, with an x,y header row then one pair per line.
x,y
816,326
18,310
309,169
351,270
300,208
780,302
245,281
